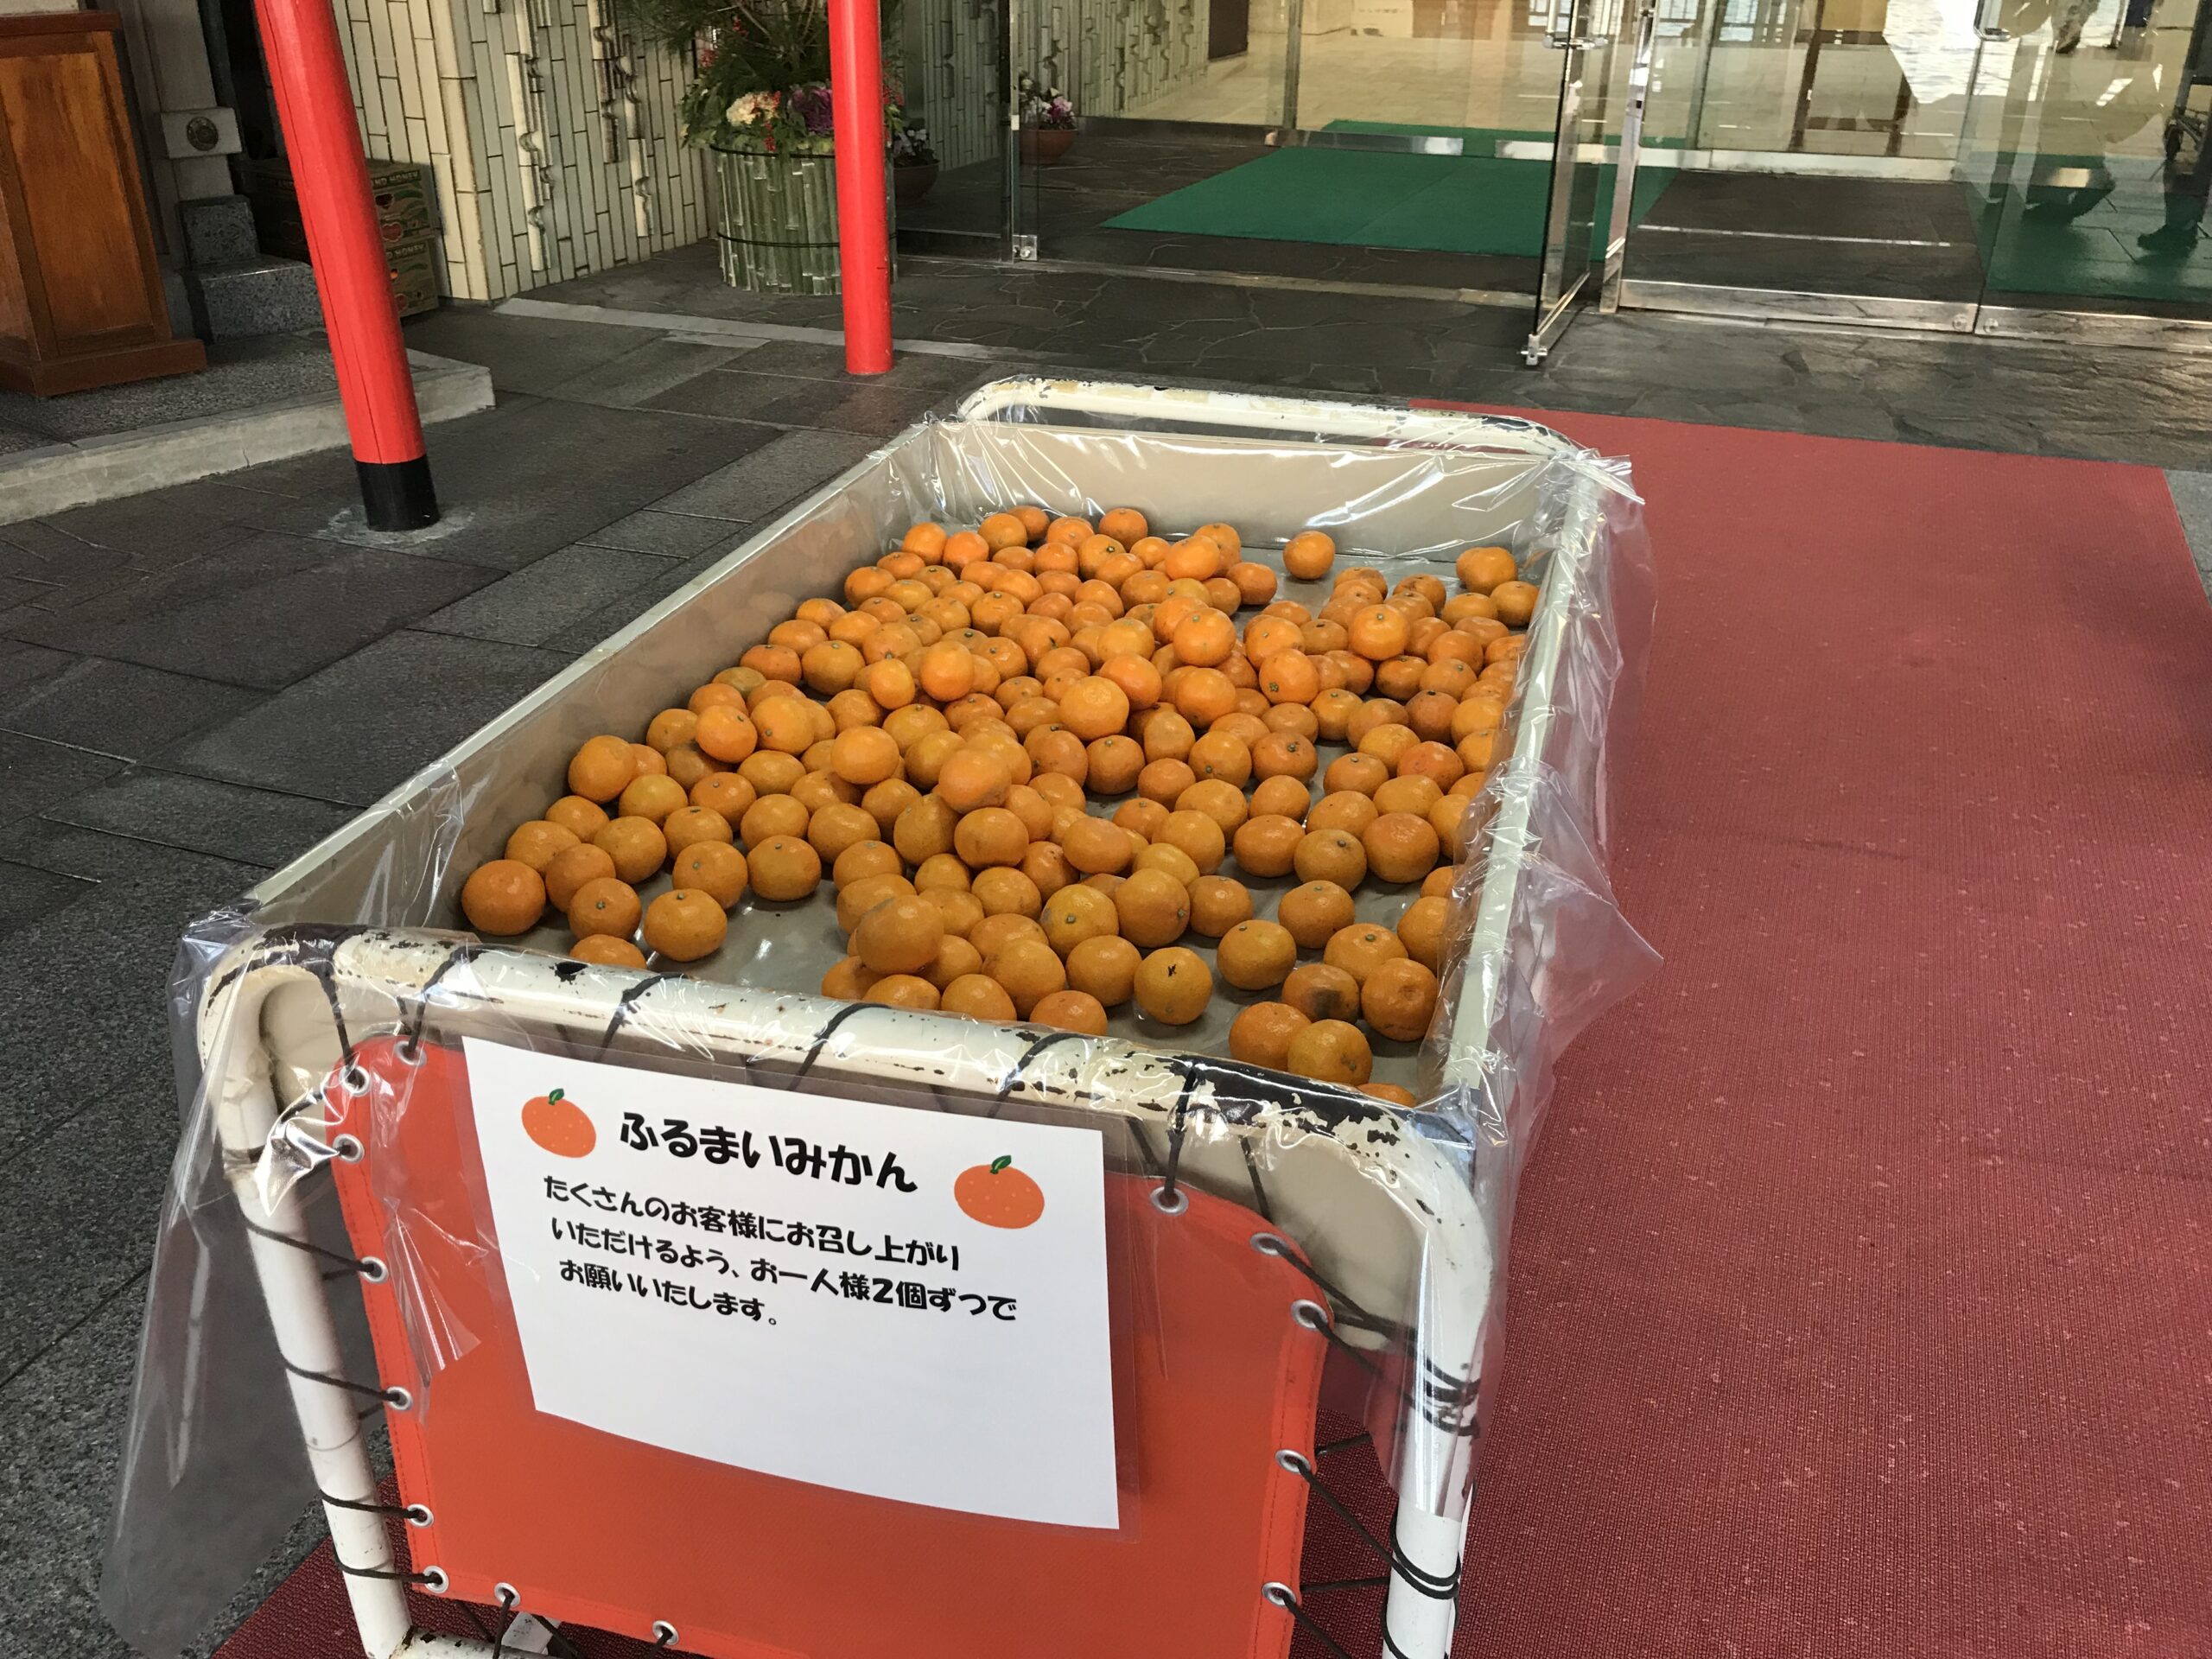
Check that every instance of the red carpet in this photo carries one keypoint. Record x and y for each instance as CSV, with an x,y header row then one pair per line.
x,y
1862,1290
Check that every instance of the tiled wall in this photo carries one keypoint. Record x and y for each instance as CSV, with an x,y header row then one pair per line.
x,y
554,136
950,62
1111,56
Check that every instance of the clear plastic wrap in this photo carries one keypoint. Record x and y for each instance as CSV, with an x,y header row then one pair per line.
x,y
303,1015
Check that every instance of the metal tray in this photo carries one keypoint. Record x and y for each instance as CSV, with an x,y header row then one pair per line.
x,y
1400,491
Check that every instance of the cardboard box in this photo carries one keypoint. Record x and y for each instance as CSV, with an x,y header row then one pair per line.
x,y
407,218
414,270
405,194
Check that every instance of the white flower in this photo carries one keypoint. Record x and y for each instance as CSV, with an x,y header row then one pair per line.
x,y
745,110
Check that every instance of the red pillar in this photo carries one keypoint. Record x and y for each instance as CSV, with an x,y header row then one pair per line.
x,y
863,238
314,102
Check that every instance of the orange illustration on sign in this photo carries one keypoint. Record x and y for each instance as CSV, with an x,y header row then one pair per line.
x,y
999,1195
559,1125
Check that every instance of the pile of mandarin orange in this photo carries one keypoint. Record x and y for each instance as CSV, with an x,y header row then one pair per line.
x,y
936,743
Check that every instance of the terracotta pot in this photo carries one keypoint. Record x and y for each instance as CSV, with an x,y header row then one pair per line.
x,y
1043,146
912,182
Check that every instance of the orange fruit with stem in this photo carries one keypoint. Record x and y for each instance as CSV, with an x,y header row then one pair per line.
x,y
502,898
977,996
685,925
607,951
900,936
1125,524
714,867
580,818
1321,992
1173,986
1480,569
602,768
538,842
570,870
1516,602
1314,911
1398,998
1076,1011
999,1195
1261,1035
605,905
1330,1051
559,1125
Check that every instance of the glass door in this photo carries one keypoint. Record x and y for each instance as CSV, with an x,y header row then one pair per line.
x,y
2026,166
1816,152
948,176
1399,144
1591,189
2094,169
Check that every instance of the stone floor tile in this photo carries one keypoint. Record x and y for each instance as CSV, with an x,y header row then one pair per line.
x,y
351,731
524,354
27,894
78,1206
118,708
516,483
201,815
875,409
650,367
36,774
666,535
761,484
613,617
530,606
261,613
94,1025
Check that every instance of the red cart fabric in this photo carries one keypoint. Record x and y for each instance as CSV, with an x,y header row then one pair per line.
x,y
1213,1376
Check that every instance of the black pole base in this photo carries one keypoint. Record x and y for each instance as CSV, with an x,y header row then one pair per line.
x,y
398,494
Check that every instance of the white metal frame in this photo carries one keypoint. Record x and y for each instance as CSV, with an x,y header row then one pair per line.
x,y
268,1039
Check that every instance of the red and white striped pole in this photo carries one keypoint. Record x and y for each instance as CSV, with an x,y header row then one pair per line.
x,y
864,237
314,102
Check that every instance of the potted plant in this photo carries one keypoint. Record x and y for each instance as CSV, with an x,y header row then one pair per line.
x,y
760,104
913,164
1047,118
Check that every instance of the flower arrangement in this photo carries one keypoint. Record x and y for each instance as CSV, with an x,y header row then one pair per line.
x,y
762,78
910,144
1044,107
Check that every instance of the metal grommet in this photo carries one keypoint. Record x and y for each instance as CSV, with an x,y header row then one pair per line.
x,y
1281,1594
410,1050
1312,1315
373,1269
1270,1244
348,1148
1170,1203
418,1515
507,1596
354,1078
435,1581
1294,1461
398,1399
664,1633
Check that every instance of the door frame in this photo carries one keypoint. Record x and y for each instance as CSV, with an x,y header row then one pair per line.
x,y
1978,315
1567,266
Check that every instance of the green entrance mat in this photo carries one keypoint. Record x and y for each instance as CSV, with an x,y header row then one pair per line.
x,y
1443,204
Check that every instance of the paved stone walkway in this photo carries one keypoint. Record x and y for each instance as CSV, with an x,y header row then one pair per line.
x,y
197,684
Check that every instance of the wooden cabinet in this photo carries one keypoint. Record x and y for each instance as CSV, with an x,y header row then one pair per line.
x,y
81,292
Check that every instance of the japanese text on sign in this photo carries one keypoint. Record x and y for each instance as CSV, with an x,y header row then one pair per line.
x,y
733,1272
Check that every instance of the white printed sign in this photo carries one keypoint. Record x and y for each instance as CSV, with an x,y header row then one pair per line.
x,y
909,1303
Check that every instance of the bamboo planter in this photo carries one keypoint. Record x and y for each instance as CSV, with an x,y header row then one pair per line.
x,y
776,220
